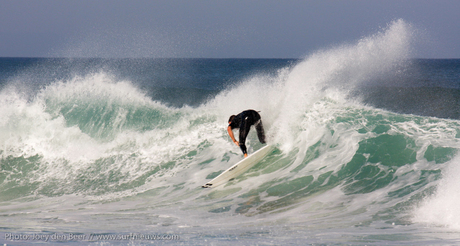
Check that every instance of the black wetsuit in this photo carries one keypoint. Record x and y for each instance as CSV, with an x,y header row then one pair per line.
x,y
244,121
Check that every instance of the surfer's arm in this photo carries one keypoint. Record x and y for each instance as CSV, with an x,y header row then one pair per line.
x,y
230,133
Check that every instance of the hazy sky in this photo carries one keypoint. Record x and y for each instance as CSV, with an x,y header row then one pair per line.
x,y
215,28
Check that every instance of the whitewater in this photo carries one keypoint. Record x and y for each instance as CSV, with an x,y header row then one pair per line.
x,y
90,156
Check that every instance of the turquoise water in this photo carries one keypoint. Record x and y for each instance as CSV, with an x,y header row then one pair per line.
x,y
94,148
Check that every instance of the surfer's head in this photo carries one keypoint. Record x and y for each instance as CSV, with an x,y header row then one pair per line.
x,y
231,119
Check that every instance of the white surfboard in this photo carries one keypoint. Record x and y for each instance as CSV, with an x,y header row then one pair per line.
x,y
239,168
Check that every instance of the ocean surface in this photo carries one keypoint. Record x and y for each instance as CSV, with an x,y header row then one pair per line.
x,y
115,151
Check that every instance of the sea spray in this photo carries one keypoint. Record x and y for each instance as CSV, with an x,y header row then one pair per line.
x,y
285,98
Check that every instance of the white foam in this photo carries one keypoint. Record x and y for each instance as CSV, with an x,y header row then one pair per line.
x,y
441,209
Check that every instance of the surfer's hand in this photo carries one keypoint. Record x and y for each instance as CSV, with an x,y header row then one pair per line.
x,y
236,142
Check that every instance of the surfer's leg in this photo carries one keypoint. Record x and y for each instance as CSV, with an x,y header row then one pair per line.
x,y
257,122
243,148
260,131
244,130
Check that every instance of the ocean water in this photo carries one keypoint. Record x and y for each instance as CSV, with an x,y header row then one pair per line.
x,y
114,151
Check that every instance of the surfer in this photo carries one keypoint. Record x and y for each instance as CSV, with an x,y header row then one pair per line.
x,y
244,121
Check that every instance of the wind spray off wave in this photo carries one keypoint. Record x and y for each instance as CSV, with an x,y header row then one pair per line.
x,y
329,74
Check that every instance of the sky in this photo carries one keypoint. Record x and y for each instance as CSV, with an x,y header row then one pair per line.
x,y
216,28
